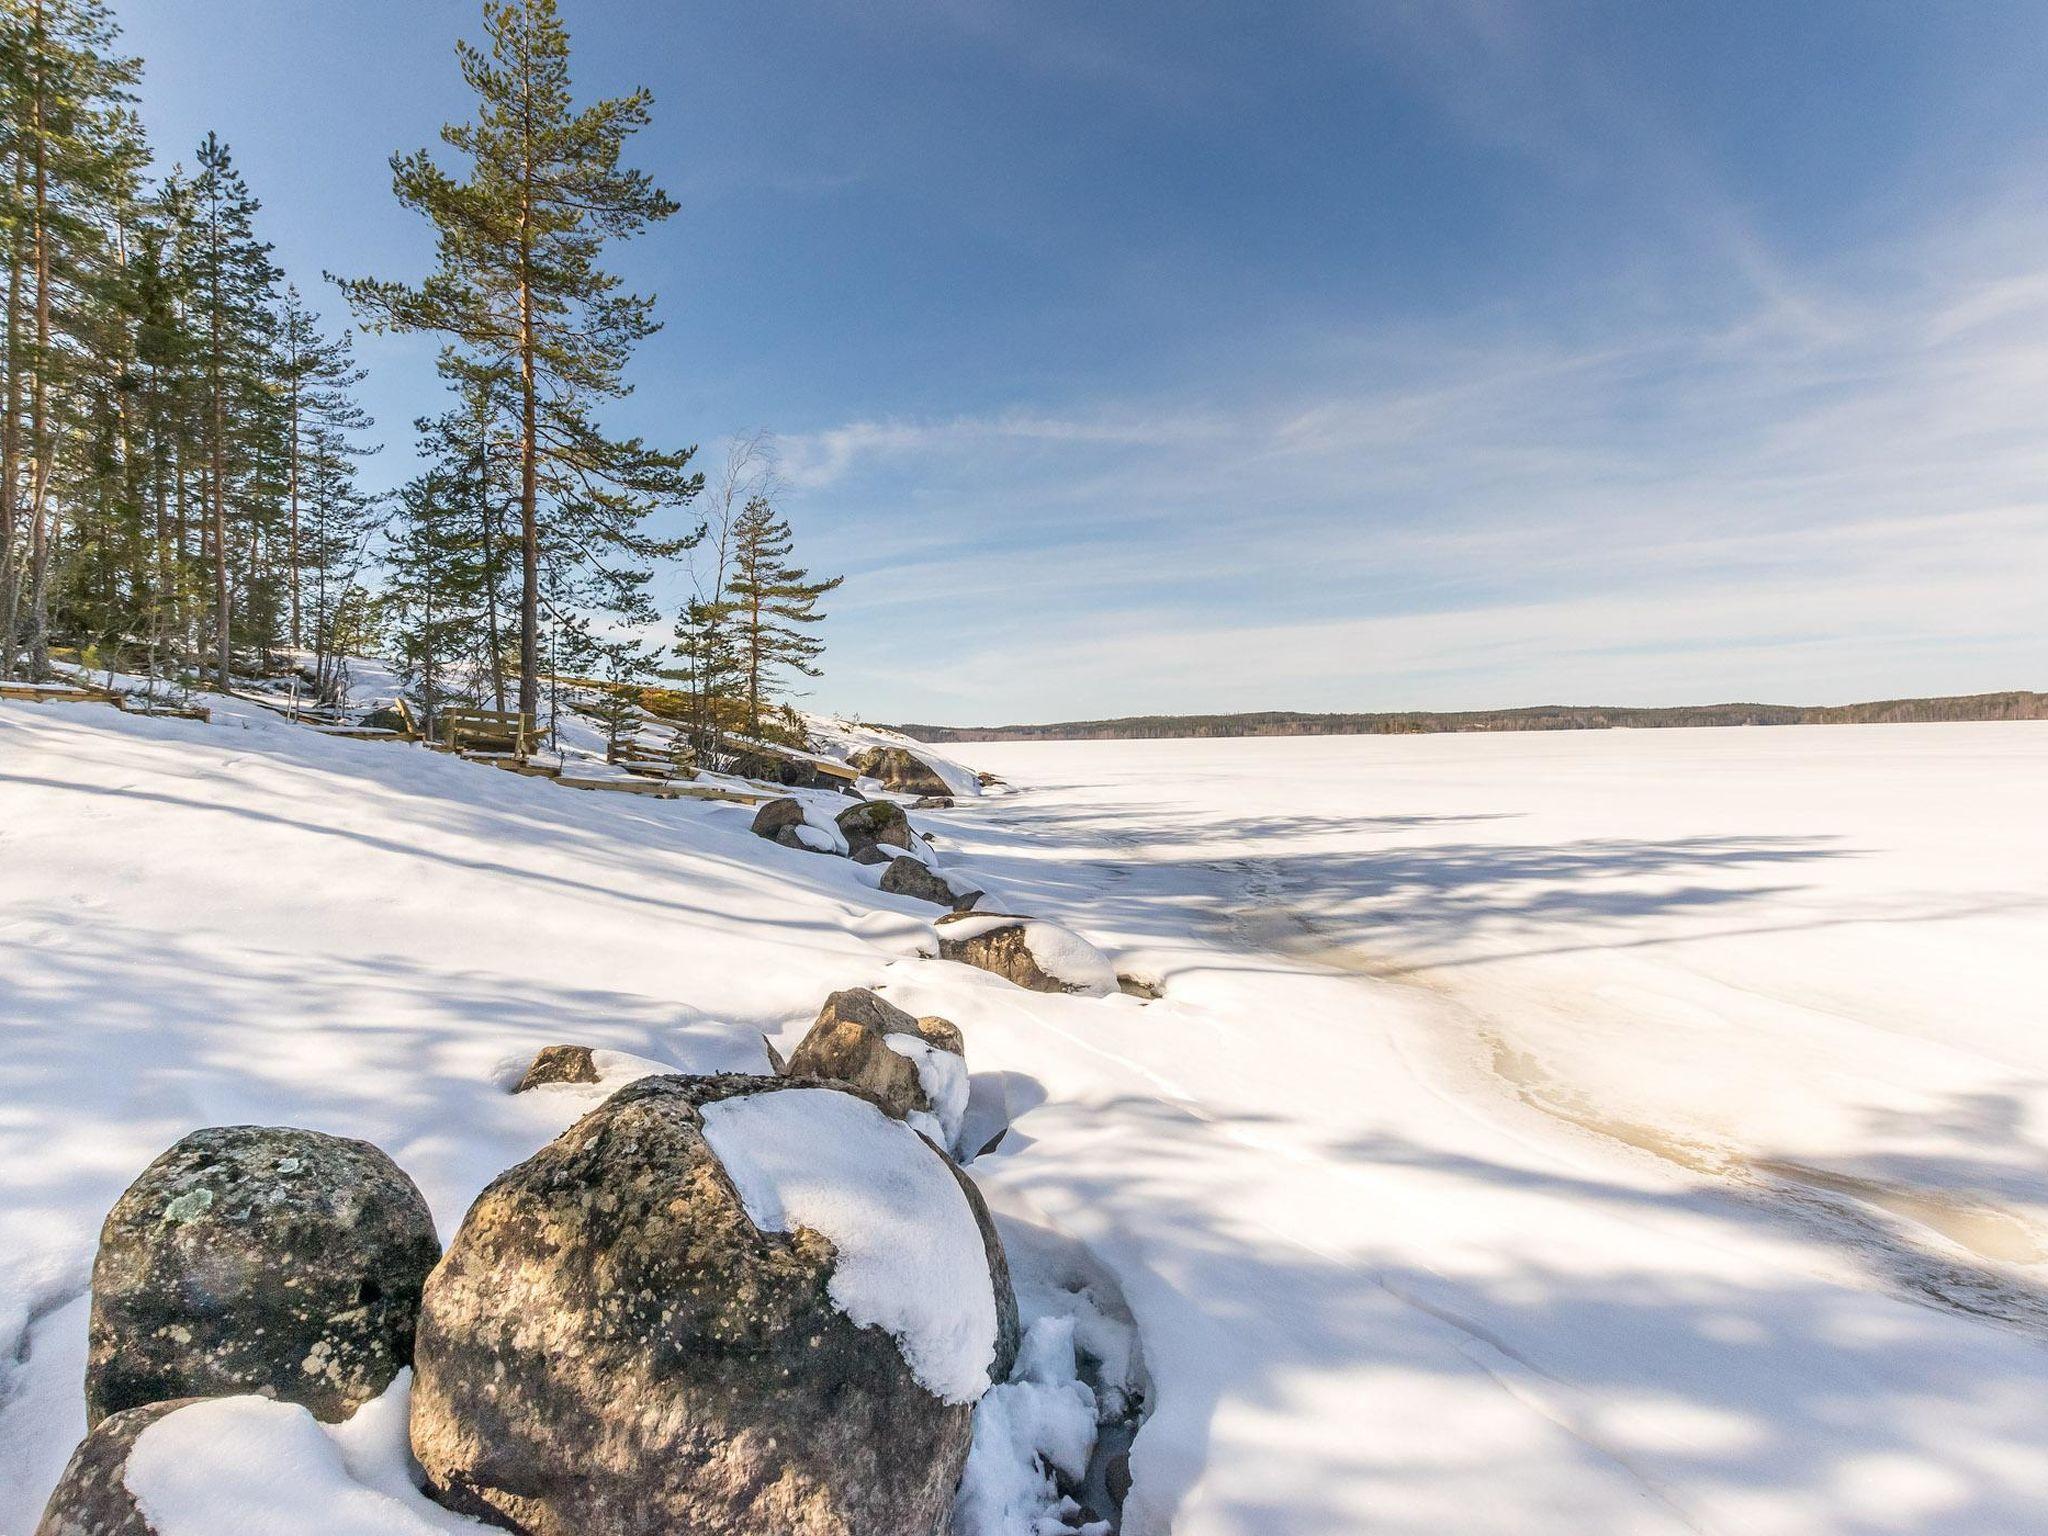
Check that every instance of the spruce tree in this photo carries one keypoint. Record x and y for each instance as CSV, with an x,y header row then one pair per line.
x,y
773,605
519,289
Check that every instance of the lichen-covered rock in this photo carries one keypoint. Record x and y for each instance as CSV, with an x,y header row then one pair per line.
x,y
613,1347
851,1043
1026,950
907,876
559,1064
872,826
258,1259
92,1497
901,770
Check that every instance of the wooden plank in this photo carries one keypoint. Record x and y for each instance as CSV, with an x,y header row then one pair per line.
x,y
66,693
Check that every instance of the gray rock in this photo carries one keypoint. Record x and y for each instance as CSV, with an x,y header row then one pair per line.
x,y
899,769
258,1259
932,803
778,820
559,1064
611,1348
907,876
848,1044
872,825
92,1497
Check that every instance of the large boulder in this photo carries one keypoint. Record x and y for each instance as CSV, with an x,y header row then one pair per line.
x,y
749,1306
258,1259
1028,951
92,1497
915,1069
873,826
901,770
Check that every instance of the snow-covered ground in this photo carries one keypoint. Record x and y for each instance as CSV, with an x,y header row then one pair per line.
x,y
1620,1132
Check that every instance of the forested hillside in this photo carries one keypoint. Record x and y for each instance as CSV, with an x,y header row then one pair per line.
x,y
1538,717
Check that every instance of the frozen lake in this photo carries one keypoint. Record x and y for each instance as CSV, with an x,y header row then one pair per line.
x,y
1786,979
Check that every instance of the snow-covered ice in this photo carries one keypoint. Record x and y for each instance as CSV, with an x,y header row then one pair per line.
x,y
1634,1131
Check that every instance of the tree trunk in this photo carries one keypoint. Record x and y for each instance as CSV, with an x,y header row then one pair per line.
x,y
42,445
10,442
483,491
297,634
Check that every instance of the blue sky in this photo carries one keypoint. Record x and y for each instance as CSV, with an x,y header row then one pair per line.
x,y
1201,356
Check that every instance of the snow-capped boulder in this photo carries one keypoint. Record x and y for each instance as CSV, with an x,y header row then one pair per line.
x,y
872,826
258,1259
559,1064
218,1465
901,770
908,876
748,1305
92,1497
915,1069
1027,950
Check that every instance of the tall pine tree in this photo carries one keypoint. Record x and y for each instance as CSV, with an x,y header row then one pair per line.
x,y
518,288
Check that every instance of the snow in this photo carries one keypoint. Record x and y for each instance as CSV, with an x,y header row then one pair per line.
x,y
244,1466
910,1257
1041,1419
943,1076
1642,1132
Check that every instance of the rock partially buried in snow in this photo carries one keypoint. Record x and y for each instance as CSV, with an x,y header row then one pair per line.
x,y
901,770
907,876
874,825
92,1497
751,1306
221,1465
559,1064
778,821
258,1259
914,1069
1028,951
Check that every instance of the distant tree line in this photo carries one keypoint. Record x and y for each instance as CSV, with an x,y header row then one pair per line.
x,y
180,435
1541,717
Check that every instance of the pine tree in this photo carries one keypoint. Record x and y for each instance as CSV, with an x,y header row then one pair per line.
x,y
473,447
233,280
316,375
69,156
435,589
518,288
774,604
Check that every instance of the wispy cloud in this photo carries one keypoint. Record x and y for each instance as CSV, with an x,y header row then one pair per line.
x,y
1637,514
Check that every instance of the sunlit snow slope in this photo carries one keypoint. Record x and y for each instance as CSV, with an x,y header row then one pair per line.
x,y
1386,1283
